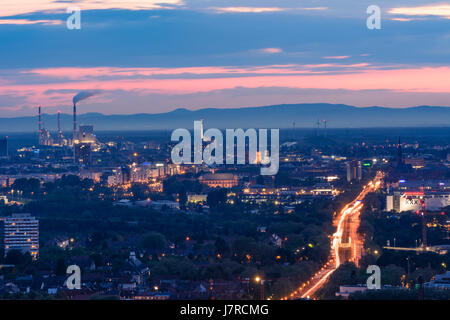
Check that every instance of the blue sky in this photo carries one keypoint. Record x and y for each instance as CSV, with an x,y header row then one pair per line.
x,y
156,56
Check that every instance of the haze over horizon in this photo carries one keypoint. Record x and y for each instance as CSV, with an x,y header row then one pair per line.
x,y
68,112
275,116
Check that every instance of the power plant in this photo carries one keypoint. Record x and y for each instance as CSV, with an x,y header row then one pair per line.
x,y
45,138
86,135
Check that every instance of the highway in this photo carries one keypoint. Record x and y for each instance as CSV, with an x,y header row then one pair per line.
x,y
346,244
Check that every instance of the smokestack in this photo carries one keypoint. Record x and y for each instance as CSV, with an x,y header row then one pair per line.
x,y
40,120
59,121
78,97
60,135
39,125
74,122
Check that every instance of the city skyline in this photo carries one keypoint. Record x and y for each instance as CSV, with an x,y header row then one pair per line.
x,y
224,156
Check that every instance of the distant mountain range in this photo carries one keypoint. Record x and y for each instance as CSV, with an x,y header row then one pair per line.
x,y
276,116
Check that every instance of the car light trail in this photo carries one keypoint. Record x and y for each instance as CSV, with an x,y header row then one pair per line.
x,y
344,226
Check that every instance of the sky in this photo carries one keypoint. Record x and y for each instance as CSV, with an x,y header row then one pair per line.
x,y
153,56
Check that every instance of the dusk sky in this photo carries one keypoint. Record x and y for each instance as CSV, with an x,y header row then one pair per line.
x,y
152,56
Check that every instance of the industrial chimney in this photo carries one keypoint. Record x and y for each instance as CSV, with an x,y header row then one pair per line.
x,y
74,122
40,120
40,125
60,134
59,122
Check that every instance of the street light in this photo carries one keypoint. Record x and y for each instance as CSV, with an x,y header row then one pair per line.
x,y
261,287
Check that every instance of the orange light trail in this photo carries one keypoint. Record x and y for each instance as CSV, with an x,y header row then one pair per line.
x,y
352,208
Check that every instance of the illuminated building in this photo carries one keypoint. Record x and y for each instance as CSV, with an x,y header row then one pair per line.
x,y
219,180
324,190
115,178
91,174
165,204
126,174
439,281
196,198
407,195
411,201
416,163
4,199
86,134
354,170
83,153
21,232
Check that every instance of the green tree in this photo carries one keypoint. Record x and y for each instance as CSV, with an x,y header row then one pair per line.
x,y
216,198
16,257
154,242
60,269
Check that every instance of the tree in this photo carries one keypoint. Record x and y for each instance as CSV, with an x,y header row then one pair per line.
x,y
154,241
216,198
222,247
27,186
392,275
17,258
139,191
282,287
60,269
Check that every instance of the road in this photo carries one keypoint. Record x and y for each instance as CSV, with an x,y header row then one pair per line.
x,y
346,244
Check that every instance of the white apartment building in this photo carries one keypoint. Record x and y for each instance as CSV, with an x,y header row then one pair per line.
x,y
21,232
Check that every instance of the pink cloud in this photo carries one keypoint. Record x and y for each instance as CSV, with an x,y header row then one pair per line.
x,y
247,9
336,57
440,10
26,21
271,50
15,7
75,73
425,80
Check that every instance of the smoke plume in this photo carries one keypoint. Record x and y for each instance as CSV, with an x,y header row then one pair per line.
x,y
84,95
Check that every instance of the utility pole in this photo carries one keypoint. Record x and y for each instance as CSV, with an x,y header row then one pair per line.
x,y
421,290
407,275
261,281
262,290
424,224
